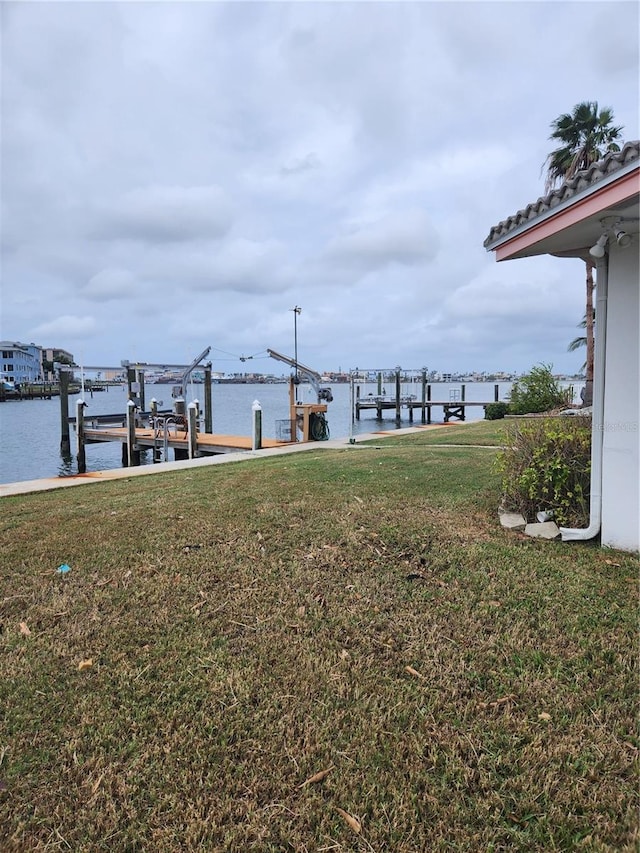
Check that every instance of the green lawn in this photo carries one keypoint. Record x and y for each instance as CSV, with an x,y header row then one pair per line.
x,y
358,611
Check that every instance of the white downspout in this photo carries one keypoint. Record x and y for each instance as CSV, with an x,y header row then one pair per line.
x,y
597,429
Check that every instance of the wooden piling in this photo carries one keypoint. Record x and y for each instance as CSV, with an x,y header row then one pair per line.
x,y
496,393
357,402
80,449
131,378
256,443
398,402
140,381
208,407
65,442
133,455
428,401
192,410
423,397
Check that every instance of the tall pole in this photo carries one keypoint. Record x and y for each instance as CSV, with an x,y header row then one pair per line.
x,y
296,310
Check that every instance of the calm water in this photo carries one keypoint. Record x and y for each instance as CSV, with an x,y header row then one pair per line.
x,y
30,429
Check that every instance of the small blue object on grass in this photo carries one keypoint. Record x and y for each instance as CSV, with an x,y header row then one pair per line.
x,y
63,569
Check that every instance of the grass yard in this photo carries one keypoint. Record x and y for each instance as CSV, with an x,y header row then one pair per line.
x,y
334,650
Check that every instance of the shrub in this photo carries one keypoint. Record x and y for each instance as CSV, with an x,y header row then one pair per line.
x,y
537,391
495,411
546,465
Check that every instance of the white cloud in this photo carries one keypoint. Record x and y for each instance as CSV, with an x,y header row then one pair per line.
x,y
406,237
66,326
110,284
165,214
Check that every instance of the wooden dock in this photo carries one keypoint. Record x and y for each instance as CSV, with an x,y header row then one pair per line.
x,y
206,443
451,408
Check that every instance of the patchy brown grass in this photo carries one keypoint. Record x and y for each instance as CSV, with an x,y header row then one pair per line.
x,y
360,612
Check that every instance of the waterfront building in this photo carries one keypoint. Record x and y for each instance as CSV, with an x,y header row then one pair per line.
x,y
20,363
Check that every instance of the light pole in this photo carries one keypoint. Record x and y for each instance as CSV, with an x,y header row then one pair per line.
x,y
296,310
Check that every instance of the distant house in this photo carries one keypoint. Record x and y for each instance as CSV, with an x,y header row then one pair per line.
x,y
595,214
20,363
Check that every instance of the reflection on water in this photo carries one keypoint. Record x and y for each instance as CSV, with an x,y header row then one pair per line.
x,y
67,467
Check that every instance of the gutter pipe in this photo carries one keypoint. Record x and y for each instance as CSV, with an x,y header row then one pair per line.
x,y
570,534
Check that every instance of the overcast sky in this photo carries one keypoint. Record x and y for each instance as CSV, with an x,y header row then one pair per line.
x,y
178,175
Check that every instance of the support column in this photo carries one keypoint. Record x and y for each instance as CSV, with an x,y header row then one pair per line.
x,y
398,411
256,443
65,442
140,381
193,430
208,407
81,457
133,454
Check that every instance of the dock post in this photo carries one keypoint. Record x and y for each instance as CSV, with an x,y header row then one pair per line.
x,y
429,400
208,409
496,393
379,384
154,407
256,443
133,455
140,381
81,456
193,430
131,378
424,394
398,412
357,402
65,443
462,399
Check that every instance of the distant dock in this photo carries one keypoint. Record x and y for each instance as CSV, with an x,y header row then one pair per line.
x,y
454,407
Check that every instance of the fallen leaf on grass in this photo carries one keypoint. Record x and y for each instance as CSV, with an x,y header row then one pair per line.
x,y
544,716
85,664
350,820
503,700
317,777
413,671
24,629
611,563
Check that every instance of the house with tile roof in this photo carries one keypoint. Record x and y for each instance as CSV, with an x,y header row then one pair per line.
x,y
595,215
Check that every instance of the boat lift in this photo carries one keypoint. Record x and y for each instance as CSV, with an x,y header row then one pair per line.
x,y
308,417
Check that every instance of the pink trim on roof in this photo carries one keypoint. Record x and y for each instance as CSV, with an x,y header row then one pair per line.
x,y
598,201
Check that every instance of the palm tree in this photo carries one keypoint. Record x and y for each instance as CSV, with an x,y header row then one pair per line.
x,y
586,135
580,341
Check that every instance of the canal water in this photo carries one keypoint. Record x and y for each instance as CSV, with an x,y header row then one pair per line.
x,y
30,429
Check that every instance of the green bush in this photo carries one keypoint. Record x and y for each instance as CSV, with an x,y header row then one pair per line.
x,y
495,411
546,465
537,391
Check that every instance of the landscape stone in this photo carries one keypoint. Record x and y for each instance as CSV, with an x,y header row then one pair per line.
x,y
543,530
513,520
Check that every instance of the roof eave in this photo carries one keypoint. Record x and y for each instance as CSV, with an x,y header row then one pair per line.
x,y
616,187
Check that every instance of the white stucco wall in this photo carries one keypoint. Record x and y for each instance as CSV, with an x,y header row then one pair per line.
x,y
621,438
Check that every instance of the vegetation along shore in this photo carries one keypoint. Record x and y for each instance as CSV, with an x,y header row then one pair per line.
x,y
339,649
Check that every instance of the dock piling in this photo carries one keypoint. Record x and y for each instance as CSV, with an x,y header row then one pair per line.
x,y
208,408
80,448
65,442
256,443
133,454
193,430
398,401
